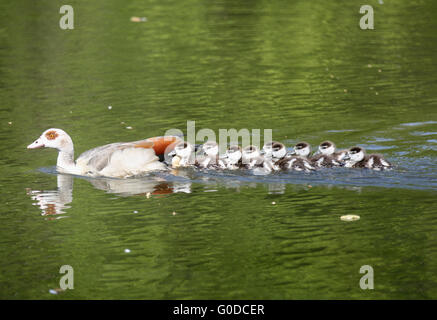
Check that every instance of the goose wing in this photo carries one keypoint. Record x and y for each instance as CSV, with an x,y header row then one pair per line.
x,y
99,158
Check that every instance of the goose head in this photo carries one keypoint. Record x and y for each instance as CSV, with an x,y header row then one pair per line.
x,y
211,148
233,154
327,148
302,149
355,154
184,149
267,149
249,153
274,150
53,138
278,150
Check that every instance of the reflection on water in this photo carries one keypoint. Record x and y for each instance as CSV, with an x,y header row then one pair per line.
x,y
54,202
301,68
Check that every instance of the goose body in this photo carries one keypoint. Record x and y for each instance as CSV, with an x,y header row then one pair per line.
x,y
295,163
335,157
251,157
273,152
299,160
118,160
324,161
211,158
232,158
357,158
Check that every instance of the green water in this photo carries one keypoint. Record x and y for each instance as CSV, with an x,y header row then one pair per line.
x,y
302,68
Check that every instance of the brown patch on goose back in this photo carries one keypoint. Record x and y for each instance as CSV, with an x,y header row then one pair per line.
x,y
160,144
144,144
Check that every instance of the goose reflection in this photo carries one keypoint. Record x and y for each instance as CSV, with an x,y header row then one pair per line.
x,y
140,187
56,202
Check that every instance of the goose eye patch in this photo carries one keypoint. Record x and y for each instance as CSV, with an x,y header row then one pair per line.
x,y
51,135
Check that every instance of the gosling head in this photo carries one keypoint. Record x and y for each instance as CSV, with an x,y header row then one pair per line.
x,y
233,154
274,149
355,154
184,149
278,150
249,153
302,149
327,148
211,148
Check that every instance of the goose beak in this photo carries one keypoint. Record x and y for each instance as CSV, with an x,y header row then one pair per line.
x,y
36,144
346,157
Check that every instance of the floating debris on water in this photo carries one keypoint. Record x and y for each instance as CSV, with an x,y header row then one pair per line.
x,y
350,217
10,122
379,70
174,213
129,128
56,291
126,250
148,195
369,65
109,107
138,19
273,202
135,211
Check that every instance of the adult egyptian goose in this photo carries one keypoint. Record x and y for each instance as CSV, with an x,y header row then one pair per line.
x,y
120,160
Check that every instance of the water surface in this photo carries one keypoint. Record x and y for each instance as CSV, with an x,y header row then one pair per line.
x,y
301,68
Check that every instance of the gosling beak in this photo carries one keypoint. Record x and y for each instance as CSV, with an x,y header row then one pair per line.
x,y
36,144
